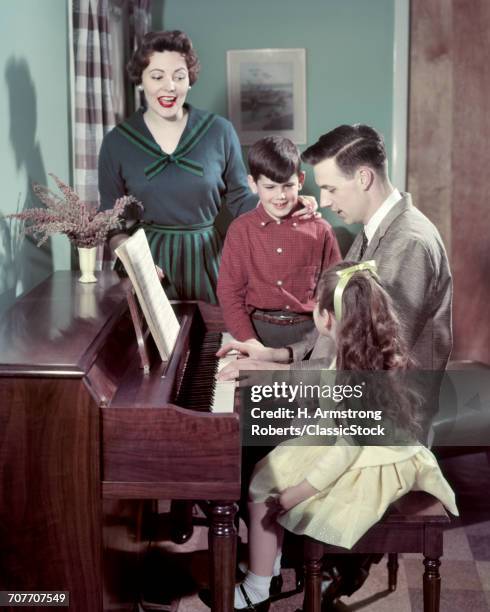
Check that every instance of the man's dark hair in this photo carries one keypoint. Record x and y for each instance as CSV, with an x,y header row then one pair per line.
x,y
274,157
351,146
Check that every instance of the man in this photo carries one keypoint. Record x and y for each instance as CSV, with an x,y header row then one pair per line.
x,y
351,170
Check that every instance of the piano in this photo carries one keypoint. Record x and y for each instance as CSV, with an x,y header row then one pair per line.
x,y
88,442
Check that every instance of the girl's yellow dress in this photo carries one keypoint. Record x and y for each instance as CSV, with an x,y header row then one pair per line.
x,y
356,485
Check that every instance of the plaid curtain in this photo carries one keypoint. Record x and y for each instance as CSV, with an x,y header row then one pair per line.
x,y
94,112
94,69
140,19
139,25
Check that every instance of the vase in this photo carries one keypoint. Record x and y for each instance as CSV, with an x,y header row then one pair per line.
x,y
87,259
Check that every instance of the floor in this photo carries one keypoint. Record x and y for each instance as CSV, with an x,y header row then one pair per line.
x,y
465,568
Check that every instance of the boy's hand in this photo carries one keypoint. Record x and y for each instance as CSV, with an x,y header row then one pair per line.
x,y
232,370
255,350
310,206
255,342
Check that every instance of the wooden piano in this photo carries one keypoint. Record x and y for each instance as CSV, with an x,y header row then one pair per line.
x,y
86,441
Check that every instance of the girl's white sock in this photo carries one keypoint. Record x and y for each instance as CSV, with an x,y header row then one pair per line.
x,y
257,588
276,570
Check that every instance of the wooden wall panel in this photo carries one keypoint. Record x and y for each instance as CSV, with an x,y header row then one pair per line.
x,y
448,158
430,111
470,210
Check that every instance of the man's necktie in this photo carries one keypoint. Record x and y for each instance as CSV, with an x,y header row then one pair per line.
x,y
364,244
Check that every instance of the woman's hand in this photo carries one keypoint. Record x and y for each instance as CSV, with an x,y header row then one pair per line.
x,y
310,206
294,495
117,240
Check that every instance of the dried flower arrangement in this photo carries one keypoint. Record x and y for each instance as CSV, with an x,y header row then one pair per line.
x,y
83,223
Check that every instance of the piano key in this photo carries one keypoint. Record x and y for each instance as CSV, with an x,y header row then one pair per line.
x,y
199,389
224,392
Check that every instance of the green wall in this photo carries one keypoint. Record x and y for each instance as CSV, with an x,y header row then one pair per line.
x,y
349,55
34,124
349,47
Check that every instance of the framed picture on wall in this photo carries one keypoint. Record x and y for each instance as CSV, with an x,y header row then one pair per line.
x,y
267,93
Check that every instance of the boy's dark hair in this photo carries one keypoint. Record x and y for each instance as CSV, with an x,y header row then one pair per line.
x,y
351,146
170,40
274,157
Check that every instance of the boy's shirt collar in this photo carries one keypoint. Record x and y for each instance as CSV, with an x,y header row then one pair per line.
x,y
265,218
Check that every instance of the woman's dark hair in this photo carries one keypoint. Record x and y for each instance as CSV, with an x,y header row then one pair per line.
x,y
274,157
171,40
369,337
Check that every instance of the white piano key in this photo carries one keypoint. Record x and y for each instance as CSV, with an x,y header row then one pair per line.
x,y
224,393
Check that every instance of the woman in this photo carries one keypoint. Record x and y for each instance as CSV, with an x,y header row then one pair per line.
x,y
180,162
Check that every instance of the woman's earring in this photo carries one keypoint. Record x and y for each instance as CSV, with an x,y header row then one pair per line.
x,y
140,88
190,86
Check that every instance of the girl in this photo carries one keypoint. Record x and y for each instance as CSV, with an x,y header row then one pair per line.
x,y
336,493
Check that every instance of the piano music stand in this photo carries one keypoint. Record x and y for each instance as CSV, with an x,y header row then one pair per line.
x,y
139,324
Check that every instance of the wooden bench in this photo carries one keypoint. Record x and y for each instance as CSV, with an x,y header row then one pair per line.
x,y
413,524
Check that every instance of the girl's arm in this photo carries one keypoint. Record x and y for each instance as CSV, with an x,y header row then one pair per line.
x,y
294,495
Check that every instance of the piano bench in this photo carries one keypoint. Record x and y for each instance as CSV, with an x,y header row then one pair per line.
x,y
414,523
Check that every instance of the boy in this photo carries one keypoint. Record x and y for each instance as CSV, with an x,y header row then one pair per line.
x,y
271,261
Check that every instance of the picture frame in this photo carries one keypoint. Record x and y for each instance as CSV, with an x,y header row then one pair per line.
x,y
267,93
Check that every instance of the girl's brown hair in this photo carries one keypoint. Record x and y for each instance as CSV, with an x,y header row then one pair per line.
x,y
370,337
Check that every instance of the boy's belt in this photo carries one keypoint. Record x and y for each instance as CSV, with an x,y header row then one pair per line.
x,y
280,318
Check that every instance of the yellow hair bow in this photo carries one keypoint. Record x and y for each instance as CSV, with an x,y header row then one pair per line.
x,y
344,277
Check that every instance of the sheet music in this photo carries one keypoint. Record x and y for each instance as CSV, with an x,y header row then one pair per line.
x,y
136,256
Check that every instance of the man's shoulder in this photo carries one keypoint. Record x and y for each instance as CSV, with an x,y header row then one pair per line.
x,y
412,225
414,235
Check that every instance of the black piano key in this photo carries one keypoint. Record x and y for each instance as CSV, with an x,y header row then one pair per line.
x,y
198,383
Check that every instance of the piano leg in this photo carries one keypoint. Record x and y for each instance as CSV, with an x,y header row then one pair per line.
x,y
222,546
181,528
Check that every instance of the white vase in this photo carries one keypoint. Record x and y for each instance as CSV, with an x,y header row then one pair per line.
x,y
87,258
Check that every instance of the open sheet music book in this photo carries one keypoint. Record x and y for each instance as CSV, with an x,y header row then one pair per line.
x,y
136,256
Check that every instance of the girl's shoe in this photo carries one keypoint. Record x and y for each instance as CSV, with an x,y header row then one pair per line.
x,y
262,606
276,585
